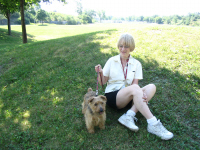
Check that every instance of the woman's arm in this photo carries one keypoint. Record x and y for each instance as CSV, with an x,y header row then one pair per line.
x,y
135,81
101,77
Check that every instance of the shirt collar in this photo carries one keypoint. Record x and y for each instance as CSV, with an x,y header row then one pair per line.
x,y
117,59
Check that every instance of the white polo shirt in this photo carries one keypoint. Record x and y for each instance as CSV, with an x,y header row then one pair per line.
x,y
114,70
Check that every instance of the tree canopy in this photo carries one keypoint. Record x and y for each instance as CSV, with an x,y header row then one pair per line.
x,y
41,15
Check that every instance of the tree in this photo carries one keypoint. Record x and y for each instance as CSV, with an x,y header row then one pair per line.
x,y
71,20
2,17
122,18
175,19
10,6
140,18
187,21
167,20
30,17
109,17
146,19
85,19
24,35
87,16
41,15
79,9
32,10
101,14
15,15
158,20
7,7
133,18
90,13
27,3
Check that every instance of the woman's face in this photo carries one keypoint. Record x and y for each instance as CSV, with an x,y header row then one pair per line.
x,y
124,50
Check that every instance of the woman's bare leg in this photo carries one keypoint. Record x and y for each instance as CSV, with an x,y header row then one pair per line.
x,y
135,93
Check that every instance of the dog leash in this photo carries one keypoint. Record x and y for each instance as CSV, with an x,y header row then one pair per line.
x,y
98,82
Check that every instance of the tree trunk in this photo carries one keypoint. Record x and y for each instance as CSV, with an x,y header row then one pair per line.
x,y
9,26
24,35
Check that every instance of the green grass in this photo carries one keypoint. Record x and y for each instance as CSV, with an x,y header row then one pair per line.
x,y
42,84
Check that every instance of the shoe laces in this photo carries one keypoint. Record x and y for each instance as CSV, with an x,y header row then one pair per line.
x,y
162,128
132,118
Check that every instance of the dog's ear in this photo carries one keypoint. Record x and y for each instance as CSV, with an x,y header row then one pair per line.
x,y
89,89
90,100
103,98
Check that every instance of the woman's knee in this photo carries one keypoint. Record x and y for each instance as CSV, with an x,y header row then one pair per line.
x,y
136,89
152,87
150,90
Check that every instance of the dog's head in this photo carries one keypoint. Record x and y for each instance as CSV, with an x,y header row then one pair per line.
x,y
98,104
89,89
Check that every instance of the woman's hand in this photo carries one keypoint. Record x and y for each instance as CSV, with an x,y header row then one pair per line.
x,y
98,68
145,97
102,80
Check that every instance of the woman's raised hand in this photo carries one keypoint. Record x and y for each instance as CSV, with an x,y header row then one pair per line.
x,y
98,68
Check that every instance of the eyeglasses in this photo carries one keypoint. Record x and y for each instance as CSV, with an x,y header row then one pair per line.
x,y
121,46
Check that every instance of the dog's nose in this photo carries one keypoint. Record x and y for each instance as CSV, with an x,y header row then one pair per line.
x,y
101,109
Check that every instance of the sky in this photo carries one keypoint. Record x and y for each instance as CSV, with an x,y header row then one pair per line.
x,y
125,8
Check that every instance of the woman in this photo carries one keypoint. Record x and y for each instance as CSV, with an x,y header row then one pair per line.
x,y
122,73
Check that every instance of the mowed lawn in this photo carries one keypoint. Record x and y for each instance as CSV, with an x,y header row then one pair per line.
x,y
42,84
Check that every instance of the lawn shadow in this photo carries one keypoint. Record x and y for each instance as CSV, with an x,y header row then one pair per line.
x,y
13,40
6,39
43,87
32,105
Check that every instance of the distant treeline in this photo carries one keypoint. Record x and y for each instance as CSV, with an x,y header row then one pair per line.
x,y
192,19
35,14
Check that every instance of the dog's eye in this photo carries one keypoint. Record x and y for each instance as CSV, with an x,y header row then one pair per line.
x,y
95,104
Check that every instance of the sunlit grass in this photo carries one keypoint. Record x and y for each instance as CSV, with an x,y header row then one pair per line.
x,y
42,84
39,33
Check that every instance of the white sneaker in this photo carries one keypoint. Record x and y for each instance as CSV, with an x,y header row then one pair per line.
x,y
160,131
128,121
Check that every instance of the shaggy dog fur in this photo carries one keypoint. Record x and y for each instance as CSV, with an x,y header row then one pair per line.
x,y
94,110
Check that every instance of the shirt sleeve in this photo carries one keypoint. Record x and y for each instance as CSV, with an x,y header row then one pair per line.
x,y
106,68
138,72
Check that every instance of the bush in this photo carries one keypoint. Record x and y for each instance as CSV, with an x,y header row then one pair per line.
x,y
29,17
15,15
158,20
85,19
71,21
18,21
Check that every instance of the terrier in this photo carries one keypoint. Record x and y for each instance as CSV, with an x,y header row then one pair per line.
x,y
94,110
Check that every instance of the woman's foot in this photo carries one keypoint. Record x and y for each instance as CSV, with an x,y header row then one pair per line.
x,y
128,121
159,130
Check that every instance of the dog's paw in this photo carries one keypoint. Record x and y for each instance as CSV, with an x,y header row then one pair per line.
x,y
102,127
91,131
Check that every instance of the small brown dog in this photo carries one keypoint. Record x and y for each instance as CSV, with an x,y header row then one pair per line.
x,y
94,109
